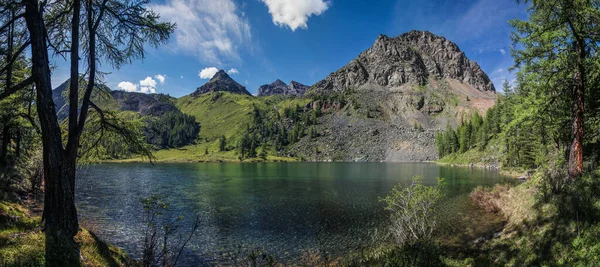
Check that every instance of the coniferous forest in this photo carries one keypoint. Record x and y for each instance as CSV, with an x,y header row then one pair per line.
x,y
415,98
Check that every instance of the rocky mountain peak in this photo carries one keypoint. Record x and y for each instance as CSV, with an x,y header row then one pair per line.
x,y
221,82
280,88
220,75
411,58
278,82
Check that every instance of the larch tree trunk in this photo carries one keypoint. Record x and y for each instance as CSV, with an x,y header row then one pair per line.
x,y
579,79
18,144
5,141
6,128
60,215
576,151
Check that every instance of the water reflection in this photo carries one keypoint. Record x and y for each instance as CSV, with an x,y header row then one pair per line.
x,y
285,207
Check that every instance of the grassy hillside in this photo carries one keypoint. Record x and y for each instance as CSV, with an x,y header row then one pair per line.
x,y
219,113
222,114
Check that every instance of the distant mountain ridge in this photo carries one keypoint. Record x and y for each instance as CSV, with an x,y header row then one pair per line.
x,y
221,82
411,58
385,105
280,88
145,104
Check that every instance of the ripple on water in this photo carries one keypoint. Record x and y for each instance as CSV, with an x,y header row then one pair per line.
x,y
284,207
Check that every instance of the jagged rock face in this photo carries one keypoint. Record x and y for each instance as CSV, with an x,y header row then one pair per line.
x,y
297,88
144,104
221,82
280,88
411,58
61,98
276,88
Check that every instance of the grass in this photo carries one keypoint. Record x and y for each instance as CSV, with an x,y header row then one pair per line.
x,y
548,223
490,157
22,241
196,153
221,113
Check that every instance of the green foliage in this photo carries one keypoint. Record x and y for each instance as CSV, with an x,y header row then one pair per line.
x,y
522,138
112,134
172,129
279,130
415,254
161,246
412,211
562,225
222,143
22,241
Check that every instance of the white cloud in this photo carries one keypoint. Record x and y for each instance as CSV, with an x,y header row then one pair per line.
x,y
148,85
210,30
147,90
502,51
499,70
181,77
233,71
208,73
127,86
294,13
161,78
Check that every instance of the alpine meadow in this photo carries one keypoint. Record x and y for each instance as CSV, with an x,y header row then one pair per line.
x,y
299,133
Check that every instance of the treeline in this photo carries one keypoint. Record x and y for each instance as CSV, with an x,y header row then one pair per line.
x,y
172,129
527,130
272,129
474,132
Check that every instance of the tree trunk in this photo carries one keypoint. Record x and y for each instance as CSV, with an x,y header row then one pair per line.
x,y
18,145
5,141
579,80
6,128
576,151
60,215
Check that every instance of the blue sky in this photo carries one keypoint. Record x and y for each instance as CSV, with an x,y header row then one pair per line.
x,y
302,40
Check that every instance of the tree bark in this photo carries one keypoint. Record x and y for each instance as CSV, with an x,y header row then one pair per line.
x,y
73,141
578,113
18,144
576,151
6,128
5,141
60,215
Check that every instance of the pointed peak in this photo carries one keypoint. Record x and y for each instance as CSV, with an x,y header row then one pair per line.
x,y
278,82
221,81
295,83
221,74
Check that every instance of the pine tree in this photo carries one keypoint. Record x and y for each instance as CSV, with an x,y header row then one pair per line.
x,y
222,143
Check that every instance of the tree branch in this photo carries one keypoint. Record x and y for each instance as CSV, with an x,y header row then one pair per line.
x,y
8,92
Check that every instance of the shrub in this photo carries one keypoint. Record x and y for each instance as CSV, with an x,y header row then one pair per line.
x,y
161,245
412,211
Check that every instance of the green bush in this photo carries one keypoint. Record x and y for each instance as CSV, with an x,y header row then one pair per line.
x,y
413,211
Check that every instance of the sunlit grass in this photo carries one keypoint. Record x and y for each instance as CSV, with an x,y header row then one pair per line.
x,y
22,242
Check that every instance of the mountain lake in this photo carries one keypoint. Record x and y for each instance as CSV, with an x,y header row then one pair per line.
x,y
284,208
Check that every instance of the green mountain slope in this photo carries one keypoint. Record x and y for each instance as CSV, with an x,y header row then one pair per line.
x,y
223,114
